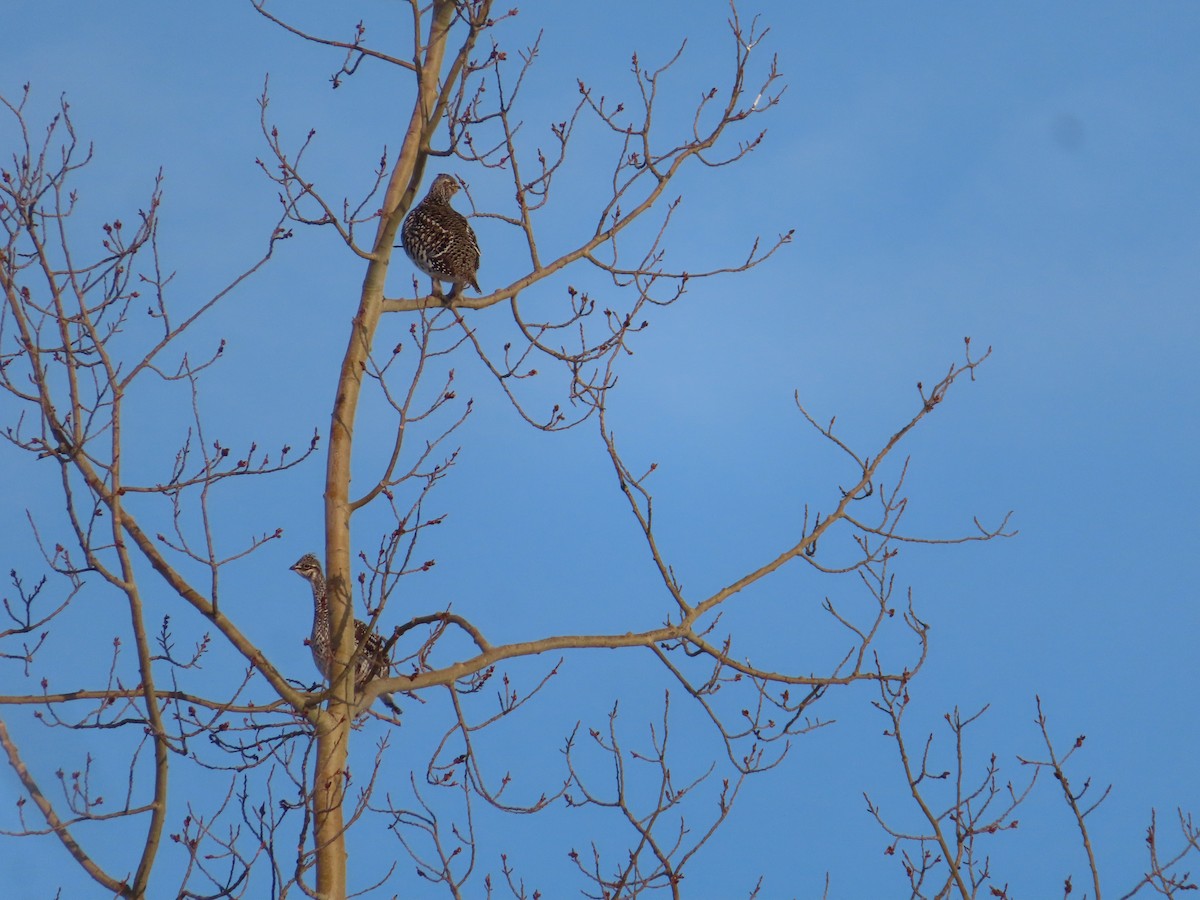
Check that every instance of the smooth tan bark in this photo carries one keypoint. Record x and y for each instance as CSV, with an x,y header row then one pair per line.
x,y
334,728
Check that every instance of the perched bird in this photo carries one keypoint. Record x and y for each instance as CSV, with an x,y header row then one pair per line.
x,y
371,661
440,241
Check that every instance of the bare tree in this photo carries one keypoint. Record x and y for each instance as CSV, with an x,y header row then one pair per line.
x,y
90,328
960,811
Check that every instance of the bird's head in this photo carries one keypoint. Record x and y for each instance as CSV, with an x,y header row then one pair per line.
x,y
444,187
308,567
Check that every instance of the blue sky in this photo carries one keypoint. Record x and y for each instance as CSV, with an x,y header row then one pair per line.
x,y
1025,174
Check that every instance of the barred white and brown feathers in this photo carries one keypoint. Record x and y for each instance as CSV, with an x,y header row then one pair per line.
x,y
439,240
371,661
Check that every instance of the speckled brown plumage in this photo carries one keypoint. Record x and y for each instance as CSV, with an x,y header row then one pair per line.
x,y
372,661
439,240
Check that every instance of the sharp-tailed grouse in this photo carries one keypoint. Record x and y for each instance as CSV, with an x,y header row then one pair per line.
x,y
440,241
371,660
